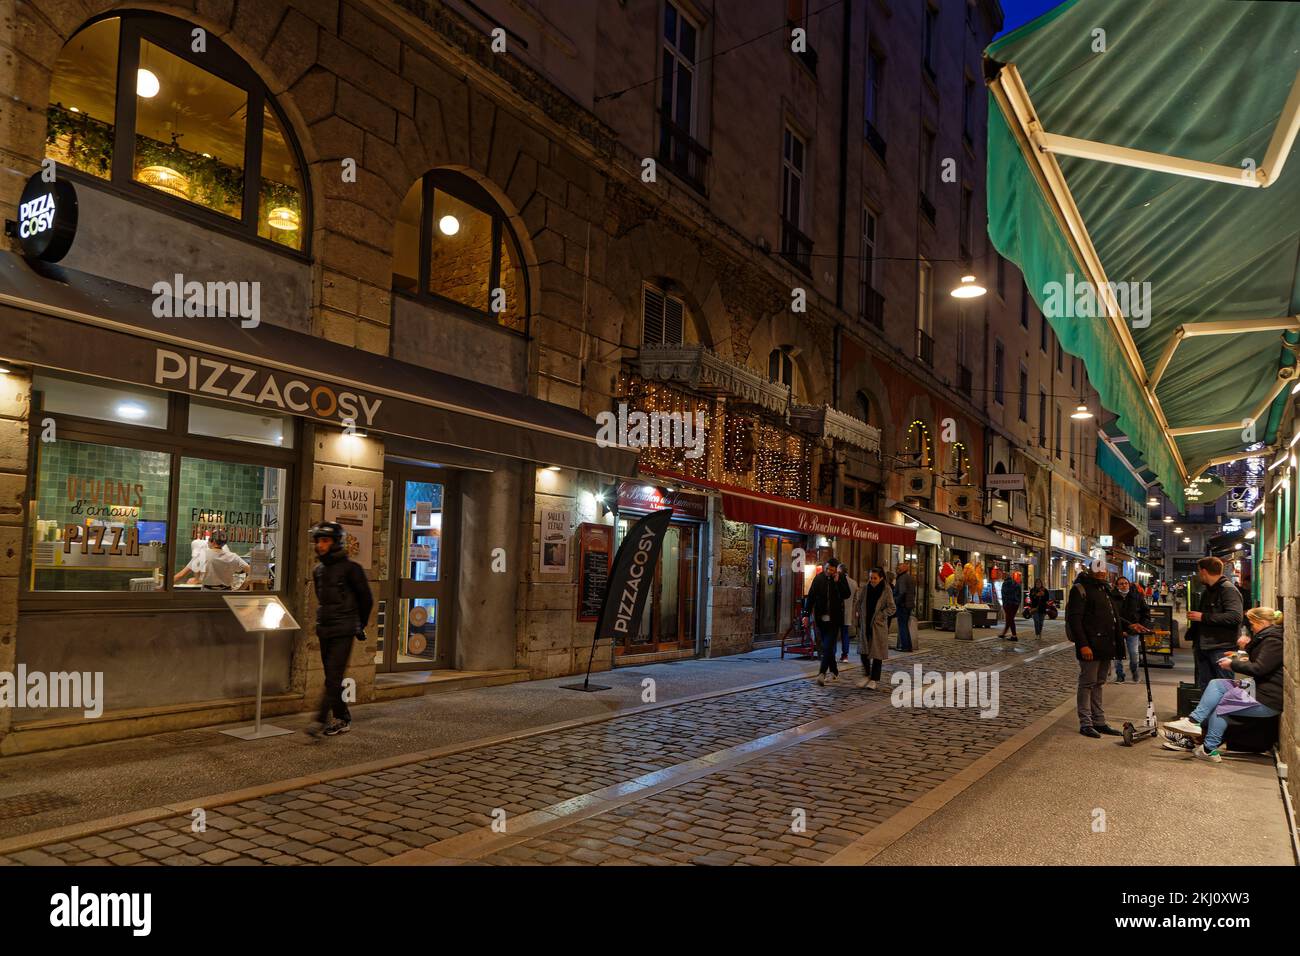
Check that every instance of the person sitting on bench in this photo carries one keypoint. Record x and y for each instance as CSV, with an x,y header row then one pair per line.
x,y
1264,649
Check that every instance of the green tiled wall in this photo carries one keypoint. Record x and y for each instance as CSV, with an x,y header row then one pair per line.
x,y
216,486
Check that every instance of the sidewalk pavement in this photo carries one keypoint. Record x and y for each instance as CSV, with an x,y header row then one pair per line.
x,y
1141,806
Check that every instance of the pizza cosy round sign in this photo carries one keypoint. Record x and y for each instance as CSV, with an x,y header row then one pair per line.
x,y
47,218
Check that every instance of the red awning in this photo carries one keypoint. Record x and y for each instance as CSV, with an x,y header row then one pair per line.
x,y
754,507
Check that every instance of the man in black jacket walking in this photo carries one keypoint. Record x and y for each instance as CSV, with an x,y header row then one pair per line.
x,y
1094,627
825,605
343,608
1217,622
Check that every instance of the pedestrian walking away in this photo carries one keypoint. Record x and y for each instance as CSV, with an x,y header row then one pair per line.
x,y
872,609
1094,629
1218,621
343,608
1012,595
825,606
905,599
1135,620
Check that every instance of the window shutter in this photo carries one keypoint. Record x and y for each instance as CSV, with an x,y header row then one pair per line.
x,y
672,329
653,325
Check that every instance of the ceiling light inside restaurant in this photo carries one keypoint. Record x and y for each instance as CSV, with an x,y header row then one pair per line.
x,y
146,84
165,179
282,217
449,225
968,289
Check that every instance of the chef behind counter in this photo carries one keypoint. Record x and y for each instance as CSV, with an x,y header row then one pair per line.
x,y
215,567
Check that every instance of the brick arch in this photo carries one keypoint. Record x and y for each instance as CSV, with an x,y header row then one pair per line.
x,y
651,252
784,329
861,377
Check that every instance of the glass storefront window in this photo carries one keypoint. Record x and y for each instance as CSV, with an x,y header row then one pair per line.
x,y
105,403
243,501
279,215
189,132
100,518
223,421
83,102
514,315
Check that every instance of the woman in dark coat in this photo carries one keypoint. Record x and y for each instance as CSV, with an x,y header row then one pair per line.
x,y
1037,607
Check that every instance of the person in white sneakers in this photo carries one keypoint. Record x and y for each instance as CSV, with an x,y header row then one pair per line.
x,y
1264,650
873,608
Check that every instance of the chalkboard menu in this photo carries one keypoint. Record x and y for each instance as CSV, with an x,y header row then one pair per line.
x,y
595,545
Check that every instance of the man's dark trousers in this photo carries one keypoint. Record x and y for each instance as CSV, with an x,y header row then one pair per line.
x,y
334,654
830,645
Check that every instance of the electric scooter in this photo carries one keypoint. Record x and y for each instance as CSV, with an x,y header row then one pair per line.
x,y
1148,727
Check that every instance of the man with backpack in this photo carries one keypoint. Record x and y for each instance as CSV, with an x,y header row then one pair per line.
x,y
1094,627
343,608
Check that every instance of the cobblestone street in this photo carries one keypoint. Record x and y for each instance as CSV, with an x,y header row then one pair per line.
x,y
788,773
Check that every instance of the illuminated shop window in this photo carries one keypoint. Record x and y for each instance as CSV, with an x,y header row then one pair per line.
x,y
187,119
241,501
453,244
100,518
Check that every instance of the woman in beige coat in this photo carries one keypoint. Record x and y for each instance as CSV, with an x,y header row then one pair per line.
x,y
873,607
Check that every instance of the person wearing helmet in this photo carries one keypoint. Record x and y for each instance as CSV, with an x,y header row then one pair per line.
x,y
215,567
1094,626
343,605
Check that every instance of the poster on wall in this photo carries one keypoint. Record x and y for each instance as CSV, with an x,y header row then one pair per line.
x,y
554,557
353,506
595,545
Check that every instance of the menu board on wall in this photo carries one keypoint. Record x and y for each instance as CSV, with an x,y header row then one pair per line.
x,y
554,556
595,544
353,506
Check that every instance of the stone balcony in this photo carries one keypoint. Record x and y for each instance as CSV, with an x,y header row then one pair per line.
x,y
700,369
822,421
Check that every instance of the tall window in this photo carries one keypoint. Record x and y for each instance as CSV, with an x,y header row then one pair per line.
x,y
1074,371
968,110
1024,307
1024,393
795,246
1042,419
1060,356
867,295
1042,333
454,245
663,317
965,226
1058,431
875,90
998,390
677,145
928,29
925,296
183,132
927,161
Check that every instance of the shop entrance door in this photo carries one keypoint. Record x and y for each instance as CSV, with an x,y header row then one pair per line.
x,y
419,630
778,589
668,622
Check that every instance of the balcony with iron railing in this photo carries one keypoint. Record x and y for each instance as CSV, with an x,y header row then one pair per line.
x,y
681,153
925,347
872,307
796,248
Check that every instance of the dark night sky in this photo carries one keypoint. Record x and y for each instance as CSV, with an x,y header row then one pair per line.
x,y
1019,12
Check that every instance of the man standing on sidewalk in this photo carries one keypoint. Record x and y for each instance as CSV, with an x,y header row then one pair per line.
x,y
1218,621
1011,598
905,600
343,608
1094,628
825,605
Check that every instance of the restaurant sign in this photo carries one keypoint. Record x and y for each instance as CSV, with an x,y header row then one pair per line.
x,y
47,218
636,496
202,375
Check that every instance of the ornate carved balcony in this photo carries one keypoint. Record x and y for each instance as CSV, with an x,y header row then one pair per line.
x,y
702,370
822,421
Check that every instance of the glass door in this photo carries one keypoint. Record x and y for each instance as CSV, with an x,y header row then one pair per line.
x,y
778,589
668,622
418,631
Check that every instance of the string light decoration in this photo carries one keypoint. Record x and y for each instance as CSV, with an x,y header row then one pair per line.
x,y
642,395
960,462
917,439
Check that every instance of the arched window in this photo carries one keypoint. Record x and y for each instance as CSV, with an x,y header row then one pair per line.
x,y
134,103
780,366
864,406
453,245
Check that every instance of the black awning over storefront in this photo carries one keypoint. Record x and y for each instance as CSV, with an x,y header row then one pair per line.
x,y
966,535
70,321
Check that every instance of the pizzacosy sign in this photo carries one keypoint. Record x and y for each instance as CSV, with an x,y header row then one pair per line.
x,y
47,219
262,387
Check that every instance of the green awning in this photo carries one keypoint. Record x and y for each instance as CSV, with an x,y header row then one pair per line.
x,y
1112,465
1210,81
